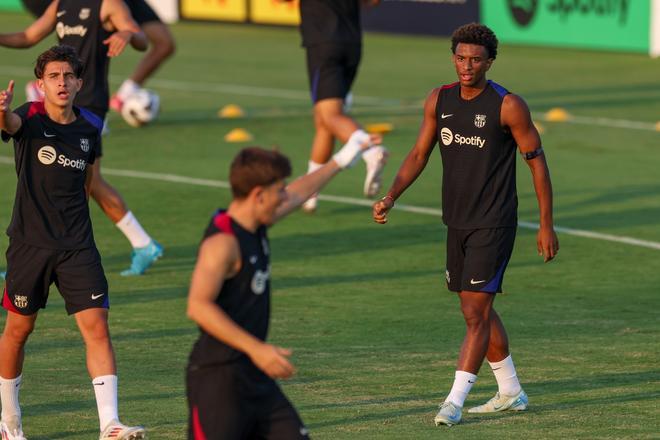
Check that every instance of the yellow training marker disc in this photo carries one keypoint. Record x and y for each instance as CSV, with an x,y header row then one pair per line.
x,y
557,114
238,135
231,111
379,128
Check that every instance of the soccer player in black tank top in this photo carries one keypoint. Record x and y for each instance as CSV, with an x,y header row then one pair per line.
x,y
230,376
98,30
51,236
478,124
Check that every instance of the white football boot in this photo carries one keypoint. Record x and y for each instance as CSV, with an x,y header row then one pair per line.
x,y
11,429
500,402
449,414
118,431
376,158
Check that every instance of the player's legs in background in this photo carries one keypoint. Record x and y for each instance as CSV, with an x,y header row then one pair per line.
x,y
322,147
12,354
161,47
145,249
510,395
331,114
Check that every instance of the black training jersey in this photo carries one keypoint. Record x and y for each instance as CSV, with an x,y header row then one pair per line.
x,y
36,7
478,159
79,25
50,207
330,21
245,297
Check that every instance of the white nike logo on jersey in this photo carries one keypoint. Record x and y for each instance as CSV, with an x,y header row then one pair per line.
x,y
48,135
253,259
60,13
444,116
97,296
472,281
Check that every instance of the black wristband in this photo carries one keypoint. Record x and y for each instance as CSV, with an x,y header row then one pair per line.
x,y
532,154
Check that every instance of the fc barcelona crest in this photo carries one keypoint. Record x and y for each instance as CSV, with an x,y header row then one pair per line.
x,y
20,301
479,121
84,144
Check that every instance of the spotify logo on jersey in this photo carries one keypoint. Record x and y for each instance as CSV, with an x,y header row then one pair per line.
x,y
47,155
446,135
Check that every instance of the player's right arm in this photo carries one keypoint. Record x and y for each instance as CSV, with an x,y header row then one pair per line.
x,y
415,162
34,33
126,29
219,259
10,122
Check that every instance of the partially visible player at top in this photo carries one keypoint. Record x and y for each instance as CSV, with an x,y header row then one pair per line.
x,y
332,36
161,47
231,389
98,30
479,124
51,238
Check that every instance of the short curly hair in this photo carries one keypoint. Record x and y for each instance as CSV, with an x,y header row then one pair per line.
x,y
58,53
475,33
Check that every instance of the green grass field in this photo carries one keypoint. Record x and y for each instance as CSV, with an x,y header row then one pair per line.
x,y
375,333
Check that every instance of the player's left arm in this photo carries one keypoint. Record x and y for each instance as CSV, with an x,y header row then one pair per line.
x,y
516,116
126,29
305,186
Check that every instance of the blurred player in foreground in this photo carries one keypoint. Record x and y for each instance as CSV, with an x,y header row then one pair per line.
x,y
479,124
51,238
231,389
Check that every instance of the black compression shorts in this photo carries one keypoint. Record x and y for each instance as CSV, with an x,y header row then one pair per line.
x,y
332,67
141,11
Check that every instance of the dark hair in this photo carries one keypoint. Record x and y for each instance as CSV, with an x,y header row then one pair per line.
x,y
255,166
58,53
475,33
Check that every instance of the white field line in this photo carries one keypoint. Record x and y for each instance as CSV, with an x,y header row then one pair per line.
x,y
173,178
391,105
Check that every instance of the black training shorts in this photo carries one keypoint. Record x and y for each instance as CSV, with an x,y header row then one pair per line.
x,y
237,401
78,275
141,11
477,258
332,67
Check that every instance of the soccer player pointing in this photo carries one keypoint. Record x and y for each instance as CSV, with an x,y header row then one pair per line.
x,y
230,386
479,124
51,237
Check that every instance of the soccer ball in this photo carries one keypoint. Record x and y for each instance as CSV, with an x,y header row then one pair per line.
x,y
140,108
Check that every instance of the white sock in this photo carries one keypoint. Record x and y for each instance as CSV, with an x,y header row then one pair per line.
x,y
105,389
313,166
9,396
463,382
127,88
505,373
132,229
